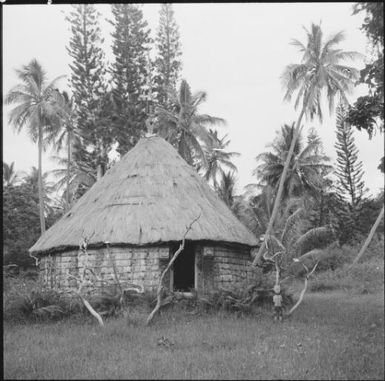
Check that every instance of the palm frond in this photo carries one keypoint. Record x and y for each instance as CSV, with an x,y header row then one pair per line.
x,y
312,239
331,41
290,225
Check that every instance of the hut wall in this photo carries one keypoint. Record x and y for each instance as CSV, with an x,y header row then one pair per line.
x,y
141,266
223,267
217,266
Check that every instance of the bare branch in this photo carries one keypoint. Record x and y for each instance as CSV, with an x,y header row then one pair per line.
x,y
160,284
301,296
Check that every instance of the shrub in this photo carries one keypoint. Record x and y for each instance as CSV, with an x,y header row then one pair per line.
x,y
241,299
26,299
366,277
336,256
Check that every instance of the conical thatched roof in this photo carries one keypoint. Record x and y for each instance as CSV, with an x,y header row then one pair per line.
x,y
149,196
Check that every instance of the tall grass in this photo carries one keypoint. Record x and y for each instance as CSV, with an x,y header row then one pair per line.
x,y
329,337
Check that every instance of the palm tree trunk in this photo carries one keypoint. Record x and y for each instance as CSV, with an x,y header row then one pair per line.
x,y
68,171
370,236
277,201
40,182
99,172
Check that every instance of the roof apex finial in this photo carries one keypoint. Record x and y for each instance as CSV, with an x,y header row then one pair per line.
x,y
150,123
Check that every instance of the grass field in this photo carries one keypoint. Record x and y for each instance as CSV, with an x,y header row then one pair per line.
x,y
331,336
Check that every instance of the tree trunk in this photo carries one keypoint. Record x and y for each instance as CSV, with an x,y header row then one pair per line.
x,y
40,181
68,170
99,172
277,201
370,236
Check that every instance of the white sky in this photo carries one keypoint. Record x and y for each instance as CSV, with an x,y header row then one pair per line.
x,y
234,52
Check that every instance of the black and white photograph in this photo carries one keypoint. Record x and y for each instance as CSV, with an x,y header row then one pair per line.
x,y
193,190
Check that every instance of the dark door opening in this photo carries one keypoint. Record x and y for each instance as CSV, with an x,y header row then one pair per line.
x,y
184,268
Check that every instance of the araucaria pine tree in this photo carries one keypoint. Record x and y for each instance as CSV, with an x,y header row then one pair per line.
x,y
167,62
88,85
129,71
349,171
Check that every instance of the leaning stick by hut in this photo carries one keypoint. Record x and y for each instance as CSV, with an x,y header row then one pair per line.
x,y
137,214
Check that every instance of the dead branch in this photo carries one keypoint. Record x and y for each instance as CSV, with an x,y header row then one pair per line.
x,y
37,261
160,284
83,281
301,296
80,281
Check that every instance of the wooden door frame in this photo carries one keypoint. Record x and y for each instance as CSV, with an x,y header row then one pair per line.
x,y
196,274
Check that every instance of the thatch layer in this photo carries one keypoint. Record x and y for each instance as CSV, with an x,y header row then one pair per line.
x,y
150,196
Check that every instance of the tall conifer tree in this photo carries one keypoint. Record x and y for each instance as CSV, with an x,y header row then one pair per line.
x,y
349,169
350,186
129,73
89,88
167,62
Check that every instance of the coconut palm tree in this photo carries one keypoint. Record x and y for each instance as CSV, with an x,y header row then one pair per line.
x,y
75,176
68,132
183,126
33,180
216,156
10,176
320,71
304,168
225,188
36,111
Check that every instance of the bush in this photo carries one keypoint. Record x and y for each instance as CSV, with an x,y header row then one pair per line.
x,y
242,299
25,299
366,277
337,256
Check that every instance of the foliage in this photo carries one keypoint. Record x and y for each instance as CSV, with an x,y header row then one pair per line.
x,y
225,188
183,127
216,156
366,277
350,186
294,242
36,107
368,111
36,110
365,113
28,300
92,119
368,214
305,167
10,177
167,62
349,169
129,71
244,299
32,180
321,68
337,256
87,68
81,177
69,131
20,224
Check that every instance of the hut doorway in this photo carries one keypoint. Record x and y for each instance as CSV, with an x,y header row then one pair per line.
x,y
183,272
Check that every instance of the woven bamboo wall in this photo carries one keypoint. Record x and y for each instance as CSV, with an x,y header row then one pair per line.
x,y
225,267
141,266
217,266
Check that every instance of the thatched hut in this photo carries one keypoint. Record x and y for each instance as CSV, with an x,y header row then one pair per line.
x,y
136,215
